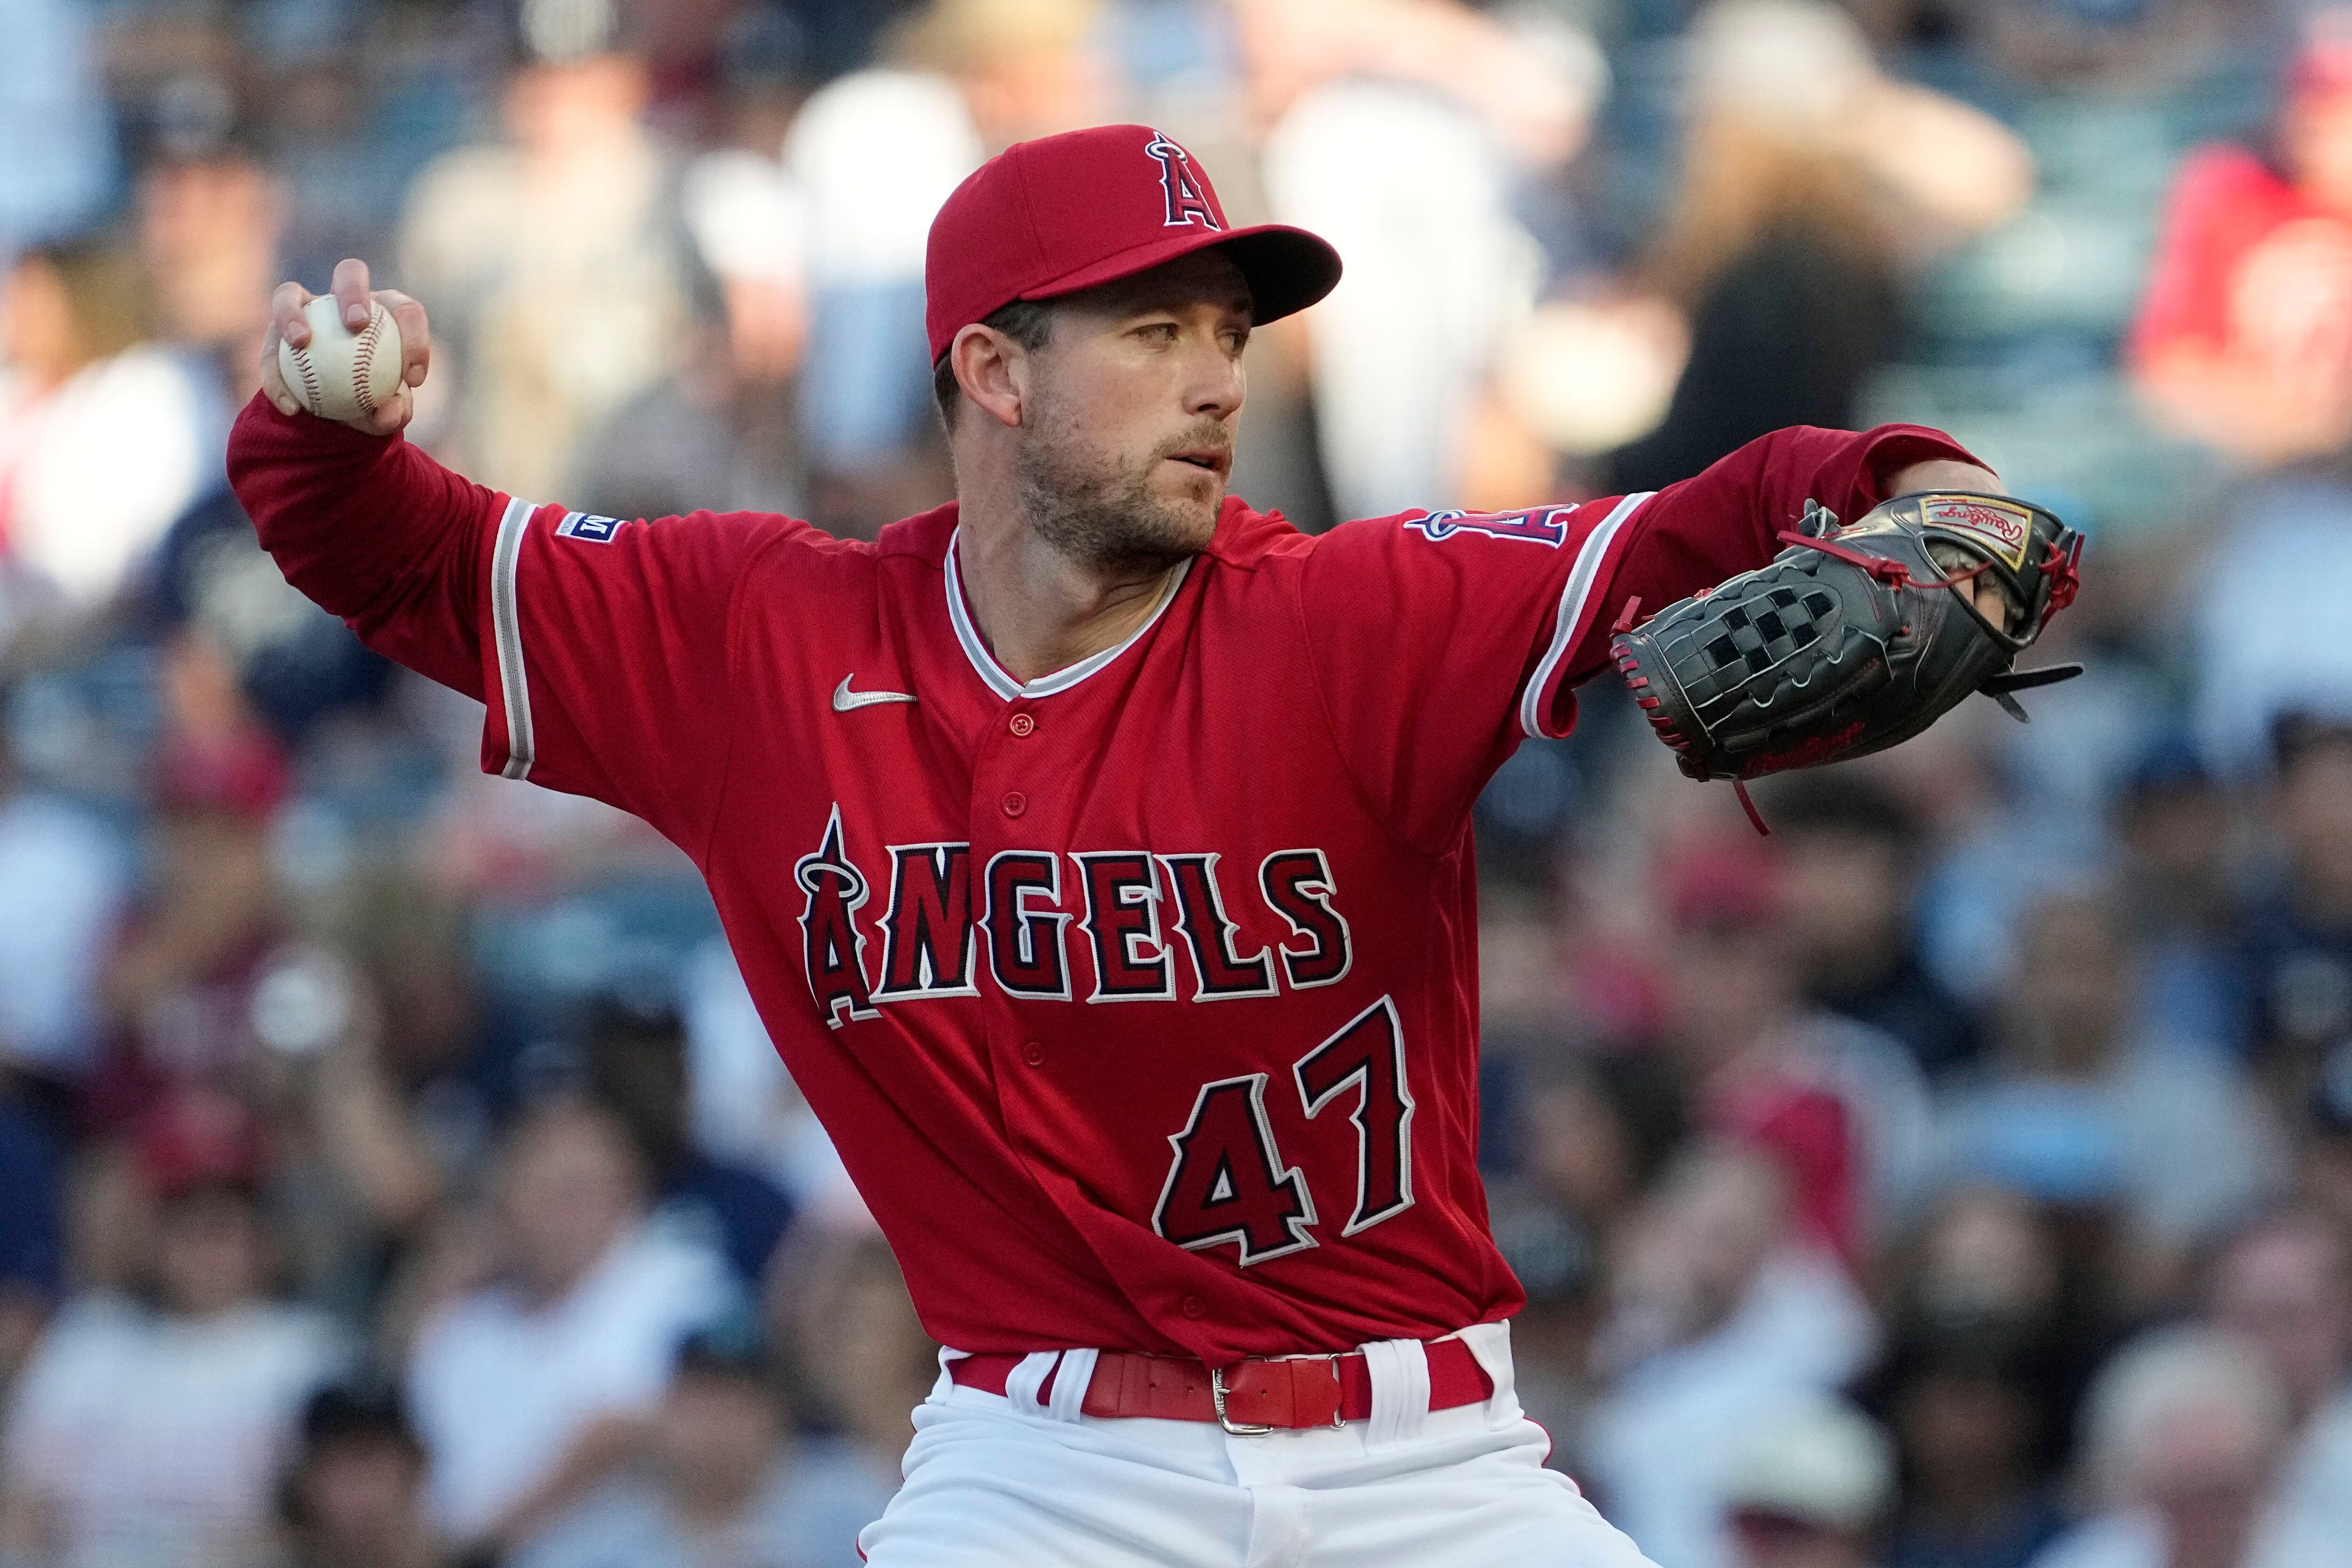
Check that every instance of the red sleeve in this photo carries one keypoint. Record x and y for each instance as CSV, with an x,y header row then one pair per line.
x,y
600,645
373,530
1440,639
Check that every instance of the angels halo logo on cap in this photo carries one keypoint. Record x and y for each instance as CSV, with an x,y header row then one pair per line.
x,y
1186,203
1063,213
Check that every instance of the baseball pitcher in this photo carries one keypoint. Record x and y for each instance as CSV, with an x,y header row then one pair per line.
x,y
1097,848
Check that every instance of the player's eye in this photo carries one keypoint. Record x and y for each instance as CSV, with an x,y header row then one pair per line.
x,y
1161,331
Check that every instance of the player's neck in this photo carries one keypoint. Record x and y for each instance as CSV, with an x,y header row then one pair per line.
x,y
1039,611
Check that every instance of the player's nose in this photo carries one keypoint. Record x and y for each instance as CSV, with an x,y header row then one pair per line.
x,y
1215,386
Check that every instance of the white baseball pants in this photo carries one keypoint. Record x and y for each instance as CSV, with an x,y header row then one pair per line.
x,y
1001,1481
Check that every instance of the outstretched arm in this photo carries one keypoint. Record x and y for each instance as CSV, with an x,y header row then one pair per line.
x,y
1440,639
599,644
364,524
1728,518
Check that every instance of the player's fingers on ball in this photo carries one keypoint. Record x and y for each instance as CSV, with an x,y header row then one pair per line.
x,y
273,380
285,317
351,290
273,384
416,335
390,415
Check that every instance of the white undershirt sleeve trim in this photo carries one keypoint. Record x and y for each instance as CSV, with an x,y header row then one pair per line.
x,y
1574,599
506,629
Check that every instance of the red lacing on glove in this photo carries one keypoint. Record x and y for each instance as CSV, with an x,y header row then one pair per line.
x,y
1887,569
2063,568
1739,788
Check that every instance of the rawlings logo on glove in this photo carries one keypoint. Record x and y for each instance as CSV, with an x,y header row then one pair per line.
x,y
1854,638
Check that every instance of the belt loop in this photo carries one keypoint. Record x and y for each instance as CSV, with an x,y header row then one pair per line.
x,y
947,1358
1399,1370
1022,1383
1490,1347
1069,1396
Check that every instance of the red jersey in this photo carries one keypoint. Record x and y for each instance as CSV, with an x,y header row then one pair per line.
x,y
1140,1000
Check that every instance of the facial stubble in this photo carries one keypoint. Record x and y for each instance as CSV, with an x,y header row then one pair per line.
x,y
1094,512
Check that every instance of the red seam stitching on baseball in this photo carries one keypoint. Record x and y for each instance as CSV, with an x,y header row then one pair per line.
x,y
364,357
312,396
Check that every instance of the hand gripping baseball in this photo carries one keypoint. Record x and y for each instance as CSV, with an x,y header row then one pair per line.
x,y
351,293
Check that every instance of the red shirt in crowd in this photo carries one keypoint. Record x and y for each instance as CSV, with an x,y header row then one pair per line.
x,y
2247,264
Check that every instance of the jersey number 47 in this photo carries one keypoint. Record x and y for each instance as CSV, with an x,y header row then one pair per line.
x,y
1228,1182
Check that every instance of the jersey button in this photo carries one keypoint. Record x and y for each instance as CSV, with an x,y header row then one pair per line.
x,y
1193,1307
1015,802
1022,725
1033,1053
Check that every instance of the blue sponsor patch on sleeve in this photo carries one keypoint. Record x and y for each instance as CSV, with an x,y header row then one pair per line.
x,y
588,526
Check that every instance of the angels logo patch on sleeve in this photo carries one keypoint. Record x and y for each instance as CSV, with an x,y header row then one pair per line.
x,y
1541,525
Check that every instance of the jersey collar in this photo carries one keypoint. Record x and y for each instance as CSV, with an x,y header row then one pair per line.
x,y
993,673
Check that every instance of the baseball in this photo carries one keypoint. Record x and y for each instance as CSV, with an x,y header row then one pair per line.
x,y
342,374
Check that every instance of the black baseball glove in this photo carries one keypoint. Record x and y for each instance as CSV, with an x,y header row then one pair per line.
x,y
1854,638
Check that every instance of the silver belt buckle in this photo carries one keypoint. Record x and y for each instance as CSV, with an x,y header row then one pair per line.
x,y
1338,1395
1217,1397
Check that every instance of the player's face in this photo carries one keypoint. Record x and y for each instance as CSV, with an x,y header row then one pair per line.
x,y
1127,431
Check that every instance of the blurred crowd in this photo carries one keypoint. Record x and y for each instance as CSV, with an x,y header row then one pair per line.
x,y
393,1172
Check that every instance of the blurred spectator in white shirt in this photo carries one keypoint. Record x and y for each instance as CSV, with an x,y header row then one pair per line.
x,y
1725,1313
1413,191
2282,1283
724,1485
1404,133
79,503
146,1433
554,261
2183,1436
530,1390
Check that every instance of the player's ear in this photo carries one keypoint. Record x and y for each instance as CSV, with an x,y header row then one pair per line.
x,y
991,370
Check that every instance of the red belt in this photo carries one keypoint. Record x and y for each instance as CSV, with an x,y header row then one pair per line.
x,y
1248,1396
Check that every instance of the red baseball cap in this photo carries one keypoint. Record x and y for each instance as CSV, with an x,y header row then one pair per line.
x,y
1068,212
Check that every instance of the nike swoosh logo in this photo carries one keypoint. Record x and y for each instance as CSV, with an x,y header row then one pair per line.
x,y
843,699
